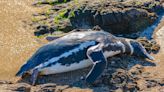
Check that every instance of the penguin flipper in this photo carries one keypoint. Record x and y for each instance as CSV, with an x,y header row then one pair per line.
x,y
95,54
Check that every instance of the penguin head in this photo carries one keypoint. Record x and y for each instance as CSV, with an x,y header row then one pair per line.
x,y
139,50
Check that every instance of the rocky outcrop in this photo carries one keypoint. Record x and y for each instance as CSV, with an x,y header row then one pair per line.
x,y
114,16
117,18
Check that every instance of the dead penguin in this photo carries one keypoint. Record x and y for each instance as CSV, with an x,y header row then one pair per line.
x,y
78,50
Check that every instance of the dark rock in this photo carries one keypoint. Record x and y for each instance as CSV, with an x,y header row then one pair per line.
x,y
43,29
119,78
150,45
97,19
108,18
112,19
52,29
50,2
131,87
141,84
41,2
51,38
82,19
151,83
49,87
5,82
117,17
20,87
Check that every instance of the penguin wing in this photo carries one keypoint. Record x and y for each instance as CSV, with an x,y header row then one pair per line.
x,y
45,53
95,54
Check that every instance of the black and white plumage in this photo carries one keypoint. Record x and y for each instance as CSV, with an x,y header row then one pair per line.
x,y
78,50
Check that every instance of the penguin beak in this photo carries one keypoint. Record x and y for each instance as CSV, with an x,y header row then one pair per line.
x,y
140,51
149,56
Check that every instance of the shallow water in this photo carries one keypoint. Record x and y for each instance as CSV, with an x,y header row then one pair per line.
x,y
148,32
156,31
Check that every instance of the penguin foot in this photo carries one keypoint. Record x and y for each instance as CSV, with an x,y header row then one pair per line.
x,y
34,76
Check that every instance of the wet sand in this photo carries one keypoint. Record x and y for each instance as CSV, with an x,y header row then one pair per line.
x,y
159,37
158,70
17,42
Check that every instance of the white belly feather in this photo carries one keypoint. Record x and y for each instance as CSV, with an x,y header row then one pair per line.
x,y
111,53
58,68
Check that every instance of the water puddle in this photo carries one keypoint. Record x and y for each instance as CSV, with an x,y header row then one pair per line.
x,y
148,32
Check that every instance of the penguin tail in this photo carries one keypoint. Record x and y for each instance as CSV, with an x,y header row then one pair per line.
x,y
19,73
22,70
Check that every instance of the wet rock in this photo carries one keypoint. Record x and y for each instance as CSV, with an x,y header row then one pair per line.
x,y
5,82
117,17
150,45
132,87
151,83
141,84
57,7
43,29
51,2
20,87
119,78
116,20
101,89
65,26
51,38
49,87
136,72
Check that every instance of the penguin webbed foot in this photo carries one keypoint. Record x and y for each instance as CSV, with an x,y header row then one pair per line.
x,y
95,54
34,76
